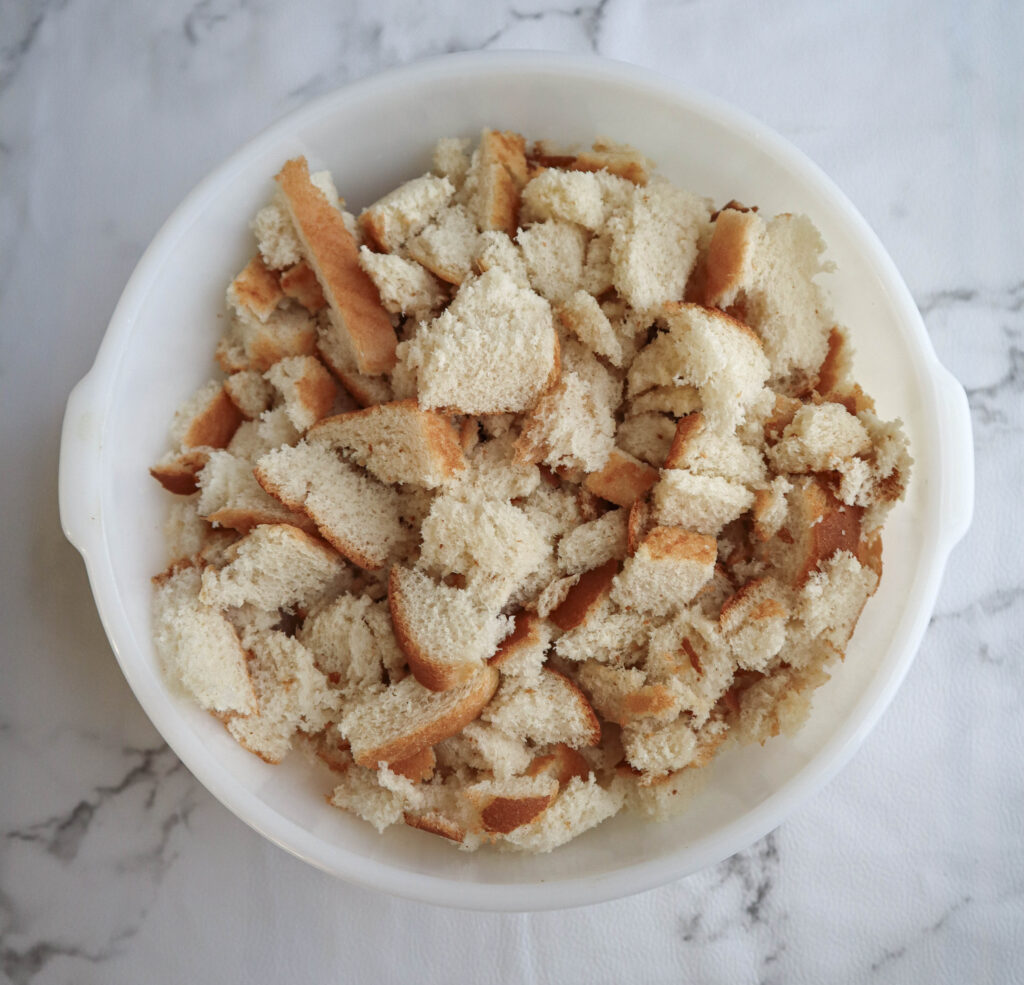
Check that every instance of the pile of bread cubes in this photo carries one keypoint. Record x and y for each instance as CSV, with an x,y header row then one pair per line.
x,y
521,493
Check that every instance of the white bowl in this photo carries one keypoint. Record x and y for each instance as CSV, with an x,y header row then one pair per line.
x,y
372,135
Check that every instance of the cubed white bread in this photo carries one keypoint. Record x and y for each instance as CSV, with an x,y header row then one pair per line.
x,y
405,287
647,437
249,392
492,543
604,384
582,805
493,350
554,254
275,235
495,180
598,274
185,531
667,571
359,516
505,805
494,249
270,430
832,598
493,470
291,693
397,442
618,159
584,596
568,428
358,791
207,419
771,507
447,634
391,220
622,480
230,496
256,290
753,621
300,284
622,694
307,389
447,245
198,646
451,159
704,451
659,748
654,243
353,304
353,642
337,353
606,636
694,659
703,503
546,710
522,653
249,343
777,704
591,544
582,315
566,196
178,471
818,439
768,269
273,566
483,747
406,717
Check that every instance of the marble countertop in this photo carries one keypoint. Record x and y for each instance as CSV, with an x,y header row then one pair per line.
x,y
117,867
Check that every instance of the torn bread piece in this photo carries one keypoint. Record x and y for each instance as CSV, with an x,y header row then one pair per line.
x,y
256,290
493,350
307,390
544,711
495,180
447,245
406,717
446,633
703,503
354,306
249,343
622,480
583,316
391,220
299,283
405,287
207,419
668,569
250,392
397,442
198,646
358,516
554,253
522,653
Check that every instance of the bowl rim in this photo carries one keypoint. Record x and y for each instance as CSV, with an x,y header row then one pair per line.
x,y
82,518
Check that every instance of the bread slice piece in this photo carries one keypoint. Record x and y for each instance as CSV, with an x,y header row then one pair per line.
x,y
207,419
299,283
522,653
406,717
754,620
507,804
496,177
667,571
447,245
566,196
585,596
256,290
397,442
703,503
198,647
554,253
654,244
249,392
704,451
594,543
582,315
544,711
359,516
494,249
481,746
178,472
647,436
819,438
307,390
405,287
391,220
451,159
568,428
291,693
446,633
354,306
274,566
615,158
494,350
622,480
249,343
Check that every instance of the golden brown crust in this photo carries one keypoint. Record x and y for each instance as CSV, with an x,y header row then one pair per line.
x,y
638,523
677,544
503,173
433,673
418,767
562,762
593,729
585,596
525,635
257,288
687,428
432,732
626,163
623,480
317,390
728,253
435,823
504,814
300,284
332,253
831,526
180,476
215,425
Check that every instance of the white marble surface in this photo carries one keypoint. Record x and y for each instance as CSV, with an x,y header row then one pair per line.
x,y
117,867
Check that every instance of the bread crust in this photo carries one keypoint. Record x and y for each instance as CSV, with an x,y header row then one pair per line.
x,y
257,289
623,480
585,596
334,257
299,283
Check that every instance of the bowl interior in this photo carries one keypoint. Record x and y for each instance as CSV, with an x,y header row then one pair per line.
x,y
371,137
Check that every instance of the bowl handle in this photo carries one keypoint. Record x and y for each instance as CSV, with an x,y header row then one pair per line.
x,y
957,455
81,445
